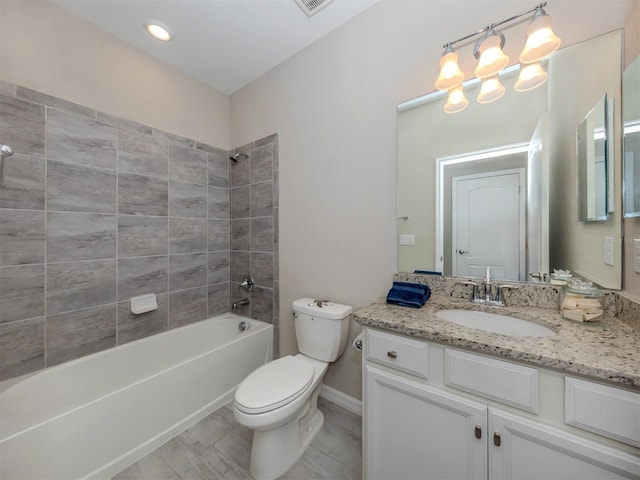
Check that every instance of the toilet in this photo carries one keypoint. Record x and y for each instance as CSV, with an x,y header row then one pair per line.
x,y
278,401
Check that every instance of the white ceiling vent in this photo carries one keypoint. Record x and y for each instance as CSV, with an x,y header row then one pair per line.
x,y
311,7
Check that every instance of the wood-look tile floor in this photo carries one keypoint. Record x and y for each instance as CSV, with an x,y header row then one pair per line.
x,y
218,448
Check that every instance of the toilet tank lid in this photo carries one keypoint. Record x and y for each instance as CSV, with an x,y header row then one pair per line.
x,y
321,308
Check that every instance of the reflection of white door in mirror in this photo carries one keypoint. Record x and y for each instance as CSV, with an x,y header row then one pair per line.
x,y
488,223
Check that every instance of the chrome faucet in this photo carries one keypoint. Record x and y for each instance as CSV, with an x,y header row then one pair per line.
x,y
487,297
240,303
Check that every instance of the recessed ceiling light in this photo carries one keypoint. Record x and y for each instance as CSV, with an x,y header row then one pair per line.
x,y
158,32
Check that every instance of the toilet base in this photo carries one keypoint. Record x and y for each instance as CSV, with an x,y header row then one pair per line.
x,y
273,452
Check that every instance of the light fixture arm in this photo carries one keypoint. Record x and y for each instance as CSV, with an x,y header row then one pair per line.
x,y
537,9
488,32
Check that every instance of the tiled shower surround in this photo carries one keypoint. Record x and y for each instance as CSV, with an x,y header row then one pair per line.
x,y
98,209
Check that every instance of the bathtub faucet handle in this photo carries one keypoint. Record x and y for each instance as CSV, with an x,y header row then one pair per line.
x,y
247,283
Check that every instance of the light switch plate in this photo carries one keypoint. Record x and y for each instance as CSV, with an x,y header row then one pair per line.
x,y
407,240
636,255
608,250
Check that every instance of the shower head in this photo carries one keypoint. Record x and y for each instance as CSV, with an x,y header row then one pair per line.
x,y
237,156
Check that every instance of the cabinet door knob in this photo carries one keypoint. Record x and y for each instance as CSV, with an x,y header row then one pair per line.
x,y
496,439
478,431
392,354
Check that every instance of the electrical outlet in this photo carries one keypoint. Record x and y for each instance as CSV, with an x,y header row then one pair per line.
x,y
407,240
636,255
608,250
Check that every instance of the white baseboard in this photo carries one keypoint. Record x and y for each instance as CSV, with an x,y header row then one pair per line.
x,y
342,399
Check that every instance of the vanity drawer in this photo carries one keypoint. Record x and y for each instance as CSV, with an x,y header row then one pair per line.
x,y
401,353
504,382
608,411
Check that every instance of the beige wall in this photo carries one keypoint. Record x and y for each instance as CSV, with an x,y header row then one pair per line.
x,y
334,106
579,245
47,49
631,225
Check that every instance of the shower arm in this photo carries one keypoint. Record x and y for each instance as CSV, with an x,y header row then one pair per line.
x,y
5,152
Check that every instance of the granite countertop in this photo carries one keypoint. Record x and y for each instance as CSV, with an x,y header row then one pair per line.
x,y
607,351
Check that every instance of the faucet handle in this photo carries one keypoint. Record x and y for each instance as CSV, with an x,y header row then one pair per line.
x,y
501,288
474,292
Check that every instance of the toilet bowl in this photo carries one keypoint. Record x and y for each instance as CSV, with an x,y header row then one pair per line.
x,y
278,401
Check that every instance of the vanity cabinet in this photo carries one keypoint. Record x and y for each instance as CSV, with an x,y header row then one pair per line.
x,y
417,426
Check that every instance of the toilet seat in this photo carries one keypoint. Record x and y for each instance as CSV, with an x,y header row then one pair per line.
x,y
273,385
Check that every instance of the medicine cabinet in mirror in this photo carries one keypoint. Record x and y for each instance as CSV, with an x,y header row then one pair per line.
x,y
591,154
631,138
522,149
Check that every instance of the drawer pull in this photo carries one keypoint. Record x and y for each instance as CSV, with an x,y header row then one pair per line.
x,y
392,354
496,439
478,431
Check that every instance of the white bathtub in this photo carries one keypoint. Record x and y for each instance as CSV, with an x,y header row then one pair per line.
x,y
94,416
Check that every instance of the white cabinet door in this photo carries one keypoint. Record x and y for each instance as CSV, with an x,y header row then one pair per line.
x,y
530,450
414,431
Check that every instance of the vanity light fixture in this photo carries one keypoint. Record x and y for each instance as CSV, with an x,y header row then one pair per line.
x,y
541,42
456,101
158,32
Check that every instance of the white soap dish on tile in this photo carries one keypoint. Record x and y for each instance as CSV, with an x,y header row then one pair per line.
x,y
143,303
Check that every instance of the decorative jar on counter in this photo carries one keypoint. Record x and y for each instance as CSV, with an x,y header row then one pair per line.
x,y
581,302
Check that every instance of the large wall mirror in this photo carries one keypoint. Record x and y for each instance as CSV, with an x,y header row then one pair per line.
x,y
631,139
496,184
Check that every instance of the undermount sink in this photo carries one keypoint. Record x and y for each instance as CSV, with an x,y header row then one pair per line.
x,y
495,323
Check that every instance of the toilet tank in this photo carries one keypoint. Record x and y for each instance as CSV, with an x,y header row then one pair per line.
x,y
322,328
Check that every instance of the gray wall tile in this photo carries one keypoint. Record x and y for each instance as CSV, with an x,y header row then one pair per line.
x,y
241,234
187,306
219,235
44,99
187,199
187,271
218,169
141,195
262,269
74,138
21,347
7,88
262,234
21,292
143,164
172,137
76,334
262,164
187,235
142,275
25,183
22,125
76,285
219,267
262,304
78,188
239,172
219,298
22,238
262,199
139,139
265,140
241,202
187,164
211,149
219,202
80,236
125,127
139,235
240,265
134,327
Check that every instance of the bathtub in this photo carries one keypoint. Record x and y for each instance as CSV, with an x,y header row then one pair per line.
x,y
94,416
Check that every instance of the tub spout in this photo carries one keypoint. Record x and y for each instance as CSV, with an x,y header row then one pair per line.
x,y
240,303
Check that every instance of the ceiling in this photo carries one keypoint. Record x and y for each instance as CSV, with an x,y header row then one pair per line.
x,y
223,43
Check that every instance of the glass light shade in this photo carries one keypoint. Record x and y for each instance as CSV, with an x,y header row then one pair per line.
x,y
456,102
531,76
158,32
541,41
450,74
490,90
492,58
